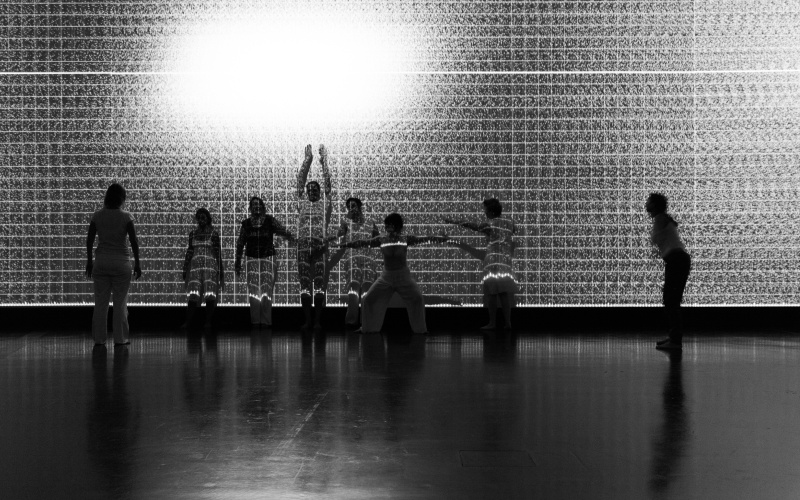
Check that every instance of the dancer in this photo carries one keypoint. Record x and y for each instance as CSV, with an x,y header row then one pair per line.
x,y
111,270
360,266
396,277
256,242
664,235
203,270
312,236
499,281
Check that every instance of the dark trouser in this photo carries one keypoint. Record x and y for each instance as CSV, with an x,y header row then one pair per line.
x,y
676,273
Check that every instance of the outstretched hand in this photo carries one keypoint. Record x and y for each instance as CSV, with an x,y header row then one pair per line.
x,y
309,153
448,220
323,152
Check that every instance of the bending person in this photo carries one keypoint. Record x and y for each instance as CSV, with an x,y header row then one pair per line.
x,y
314,215
499,281
256,242
203,271
664,235
396,277
111,270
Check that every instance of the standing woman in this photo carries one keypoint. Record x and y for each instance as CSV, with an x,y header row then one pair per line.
x,y
499,281
664,235
202,268
111,270
255,241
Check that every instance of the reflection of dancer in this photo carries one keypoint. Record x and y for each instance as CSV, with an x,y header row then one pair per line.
x,y
670,442
499,282
256,242
396,277
111,271
312,231
678,263
202,268
359,266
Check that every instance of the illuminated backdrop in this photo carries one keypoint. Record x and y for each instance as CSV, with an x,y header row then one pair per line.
x,y
569,112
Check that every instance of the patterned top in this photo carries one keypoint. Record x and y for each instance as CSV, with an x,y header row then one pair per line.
x,y
205,243
313,220
257,239
499,248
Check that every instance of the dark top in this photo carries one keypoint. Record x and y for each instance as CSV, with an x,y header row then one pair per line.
x,y
256,241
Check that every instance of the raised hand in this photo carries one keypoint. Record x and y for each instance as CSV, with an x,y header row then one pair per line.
x,y
323,153
309,153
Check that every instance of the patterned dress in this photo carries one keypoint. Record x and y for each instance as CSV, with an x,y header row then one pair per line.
x,y
498,274
202,264
360,265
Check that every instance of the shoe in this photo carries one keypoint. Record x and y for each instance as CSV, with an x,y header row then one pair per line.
x,y
662,342
670,345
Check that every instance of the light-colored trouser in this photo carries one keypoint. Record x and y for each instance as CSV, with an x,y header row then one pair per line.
x,y
375,302
260,285
111,276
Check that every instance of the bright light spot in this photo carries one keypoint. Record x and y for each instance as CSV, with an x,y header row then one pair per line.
x,y
293,70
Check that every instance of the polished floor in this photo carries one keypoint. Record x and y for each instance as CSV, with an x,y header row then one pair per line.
x,y
231,415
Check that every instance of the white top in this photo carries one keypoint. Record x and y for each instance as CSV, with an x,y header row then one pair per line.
x,y
664,235
112,233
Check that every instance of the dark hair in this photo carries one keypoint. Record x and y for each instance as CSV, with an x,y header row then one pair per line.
x,y
659,202
115,196
259,200
202,210
493,207
394,219
352,198
312,182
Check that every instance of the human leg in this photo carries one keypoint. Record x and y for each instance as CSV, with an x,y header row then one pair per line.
x,y
374,304
353,301
409,291
506,302
676,274
102,295
306,285
121,283
490,303
253,270
320,286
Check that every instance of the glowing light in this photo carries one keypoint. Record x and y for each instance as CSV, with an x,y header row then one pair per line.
x,y
394,244
290,67
498,276
259,297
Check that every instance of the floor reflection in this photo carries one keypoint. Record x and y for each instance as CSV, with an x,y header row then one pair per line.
x,y
670,440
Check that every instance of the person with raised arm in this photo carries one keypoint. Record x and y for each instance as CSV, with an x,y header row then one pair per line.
x,y
255,241
396,277
111,268
499,281
677,264
203,271
314,215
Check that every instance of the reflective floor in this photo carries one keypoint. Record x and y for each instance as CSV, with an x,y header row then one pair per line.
x,y
237,415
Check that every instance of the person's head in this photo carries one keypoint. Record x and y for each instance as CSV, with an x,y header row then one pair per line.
x,y
313,190
256,206
393,223
656,204
492,208
203,217
115,196
353,206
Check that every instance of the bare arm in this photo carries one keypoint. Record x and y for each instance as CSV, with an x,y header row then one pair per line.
x,y
240,242
280,230
137,269
187,260
326,173
419,240
374,242
475,226
216,242
302,173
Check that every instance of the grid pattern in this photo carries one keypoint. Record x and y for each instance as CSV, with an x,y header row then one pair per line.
x,y
570,112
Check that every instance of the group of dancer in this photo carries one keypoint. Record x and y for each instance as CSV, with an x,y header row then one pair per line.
x,y
357,237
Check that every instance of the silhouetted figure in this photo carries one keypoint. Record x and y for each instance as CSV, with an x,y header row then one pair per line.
x,y
396,277
255,241
670,442
111,269
360,263
314,215
203,270
499,281
677,264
